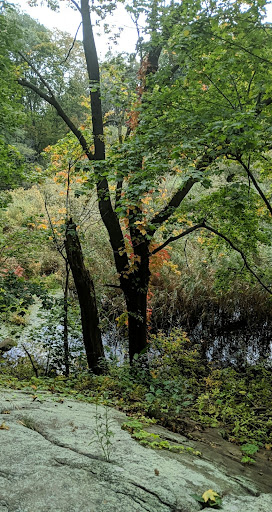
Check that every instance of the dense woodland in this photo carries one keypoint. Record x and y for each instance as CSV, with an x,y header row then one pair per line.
x,y
135,208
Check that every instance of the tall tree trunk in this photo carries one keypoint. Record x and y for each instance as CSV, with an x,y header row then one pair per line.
x,y
94,80
137,326
135,289
65,322
87,301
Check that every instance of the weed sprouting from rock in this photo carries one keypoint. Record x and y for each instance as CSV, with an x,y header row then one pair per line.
x,y
103,433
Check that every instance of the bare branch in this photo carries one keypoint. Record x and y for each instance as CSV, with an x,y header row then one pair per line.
x,y
72,45
219,90
36,71
203,162
251,81
29,85
173,238
52,100
203,225
76,5
231,43
113,286
68,190
58,247
173,204
256,184
235,248
31,361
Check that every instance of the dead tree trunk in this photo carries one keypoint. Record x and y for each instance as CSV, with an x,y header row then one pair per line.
x,y
87,301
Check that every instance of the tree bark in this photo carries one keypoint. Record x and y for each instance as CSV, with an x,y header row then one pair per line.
x,y
135,288
136,302
94,80
65,322
87,301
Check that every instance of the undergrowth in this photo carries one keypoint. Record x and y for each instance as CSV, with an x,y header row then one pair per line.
x,y
175,385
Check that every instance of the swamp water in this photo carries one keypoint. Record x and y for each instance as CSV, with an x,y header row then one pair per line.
x,y
224,340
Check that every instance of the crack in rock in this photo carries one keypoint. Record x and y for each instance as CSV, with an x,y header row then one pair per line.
x,y
74,465
135,499
67,447
111,480
251,491
148,491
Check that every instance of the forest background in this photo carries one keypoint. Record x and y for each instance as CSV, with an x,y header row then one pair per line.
x,y
135,211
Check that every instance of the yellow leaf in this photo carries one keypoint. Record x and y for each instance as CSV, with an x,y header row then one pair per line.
x,y
142,230
209,495
186,33
42,226
3,426
146,199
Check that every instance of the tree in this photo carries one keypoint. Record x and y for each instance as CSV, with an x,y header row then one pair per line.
x,y
63,158
11,115
59,59
185,122
87,300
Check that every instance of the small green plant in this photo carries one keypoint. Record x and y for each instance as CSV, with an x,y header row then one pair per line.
x,y
209,498
248,449
154,441
103,432
247,460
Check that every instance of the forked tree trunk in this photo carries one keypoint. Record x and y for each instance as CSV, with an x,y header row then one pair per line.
x,y
87,301
134,286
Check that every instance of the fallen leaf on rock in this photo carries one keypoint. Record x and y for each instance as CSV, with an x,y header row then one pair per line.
x,y
3,426
209,495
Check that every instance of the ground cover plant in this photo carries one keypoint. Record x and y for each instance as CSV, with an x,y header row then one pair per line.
x,y
173,388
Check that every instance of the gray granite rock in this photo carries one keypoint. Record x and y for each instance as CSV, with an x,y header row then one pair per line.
x,y
51,461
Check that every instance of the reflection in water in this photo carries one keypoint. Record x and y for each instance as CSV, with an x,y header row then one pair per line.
x,y
234,343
